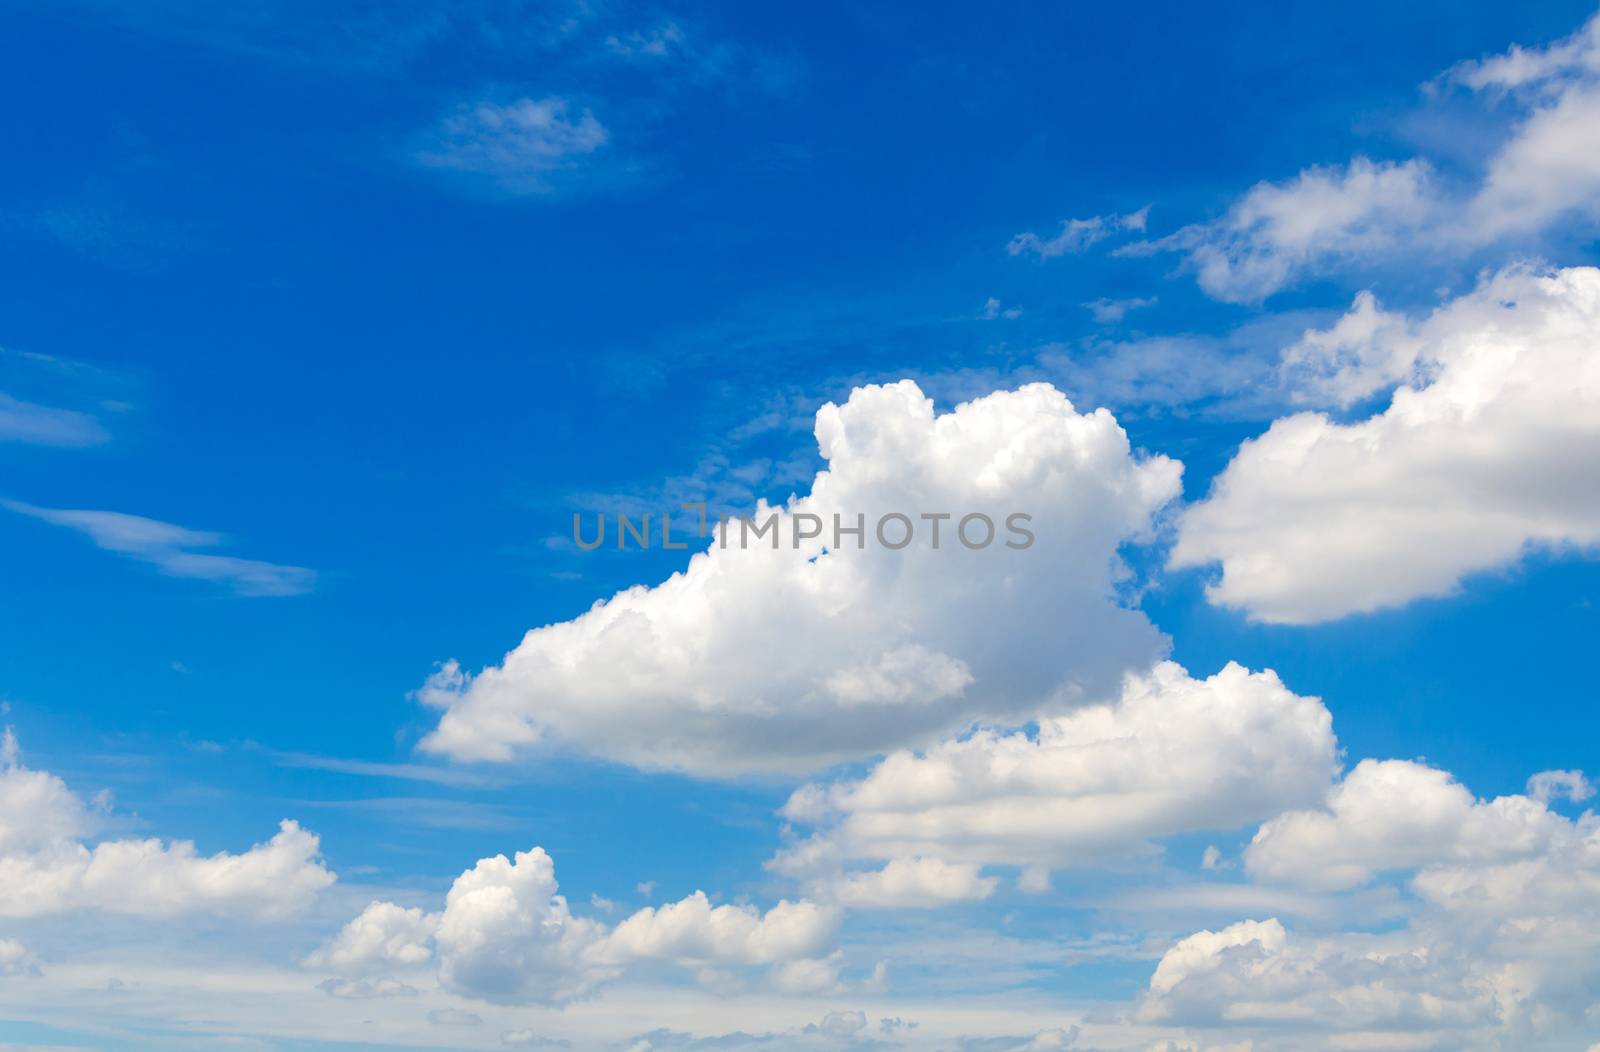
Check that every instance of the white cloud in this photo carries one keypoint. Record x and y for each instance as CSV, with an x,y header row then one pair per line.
x,y
169,549
913,882
366,989
1109,312
45,425
1487,452
1321,218
1077,235
383,936
993,310
520,145
655,43
1519,67
1547,168
1363,353
505,935
692,931
1172,755
756,659
15,959
1234,374
528,1039
1502,949
1326,218
1571,786
46,868
1396,814
1257,972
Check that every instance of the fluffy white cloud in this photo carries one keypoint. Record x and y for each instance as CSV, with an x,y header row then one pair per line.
x,y
914,882
1396,814
382,936
1501,951
506,935
1319,219
1548,168
1560,785
756,659
46,868
1256,972
693,931
1490,449
1173,754
1364,352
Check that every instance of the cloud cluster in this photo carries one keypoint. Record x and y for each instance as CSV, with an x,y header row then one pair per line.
x,y
506,935
45,867
1487,449
1173,754
1501,951
793,656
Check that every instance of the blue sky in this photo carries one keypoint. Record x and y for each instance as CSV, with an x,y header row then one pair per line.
x,y
320,322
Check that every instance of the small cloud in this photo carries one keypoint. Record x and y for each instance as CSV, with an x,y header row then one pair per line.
x,y
656,43
520,145
15,959
992,310
454,1017
647,888
530,1039
1548,786
1213,860
602,904
1109,312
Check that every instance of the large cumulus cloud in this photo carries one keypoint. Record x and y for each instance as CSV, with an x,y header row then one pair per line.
x,y
756,659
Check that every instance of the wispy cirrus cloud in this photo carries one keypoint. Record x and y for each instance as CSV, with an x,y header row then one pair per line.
x,y
44,425
414,772
170,549
1077,235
